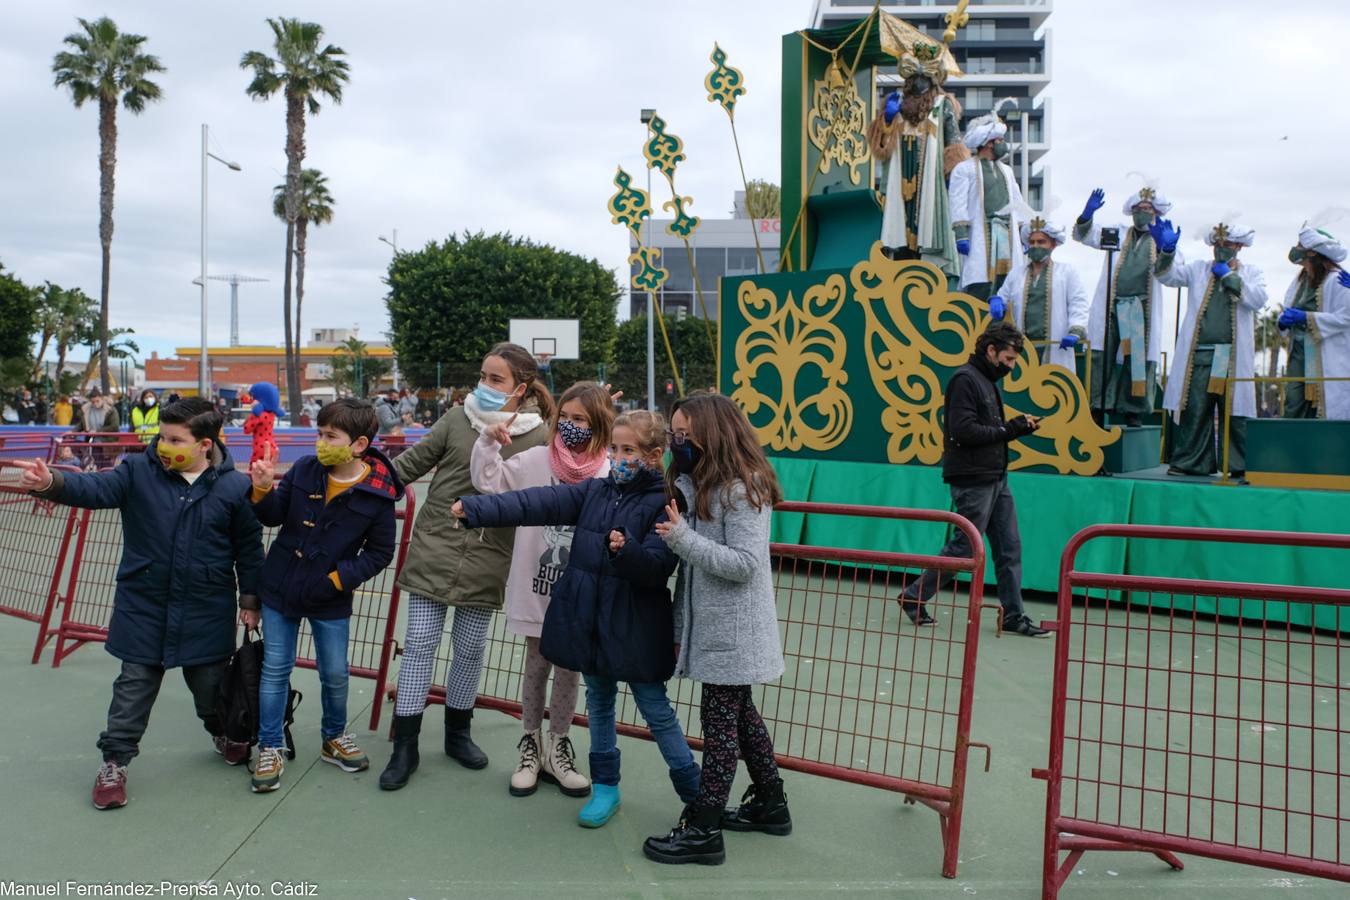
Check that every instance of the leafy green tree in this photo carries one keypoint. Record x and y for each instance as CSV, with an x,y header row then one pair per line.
x,y
303,71
65,319
450,302
106,65
119,347
316,208
355,370
698,368
762,200
18,309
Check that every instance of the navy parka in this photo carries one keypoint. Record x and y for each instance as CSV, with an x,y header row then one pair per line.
x,y
188,551
610,614
352,535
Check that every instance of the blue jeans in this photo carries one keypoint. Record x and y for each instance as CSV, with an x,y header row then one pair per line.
x,y
280,634
655,707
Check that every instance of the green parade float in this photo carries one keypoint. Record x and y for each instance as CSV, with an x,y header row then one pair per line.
x,y
840,358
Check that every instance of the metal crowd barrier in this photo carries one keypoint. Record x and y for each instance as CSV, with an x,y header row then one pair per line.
x,y
1175,731
866,698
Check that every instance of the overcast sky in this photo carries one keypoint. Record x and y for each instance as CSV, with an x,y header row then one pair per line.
x,y
512,116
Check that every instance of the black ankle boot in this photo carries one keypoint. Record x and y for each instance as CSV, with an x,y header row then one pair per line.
x,y
696,839
403,761
763,808
459,746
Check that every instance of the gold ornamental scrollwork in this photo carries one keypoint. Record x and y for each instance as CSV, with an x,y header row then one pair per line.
x,y
791,338
837,124
915,326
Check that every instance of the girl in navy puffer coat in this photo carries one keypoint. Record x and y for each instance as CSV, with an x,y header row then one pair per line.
x,y
610,616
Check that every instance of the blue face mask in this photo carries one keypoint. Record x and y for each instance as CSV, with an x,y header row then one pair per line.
x,y
489,399
573,435
625,470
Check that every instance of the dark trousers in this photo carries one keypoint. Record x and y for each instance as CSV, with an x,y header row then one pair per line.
x,y
990,508
732,729
134,694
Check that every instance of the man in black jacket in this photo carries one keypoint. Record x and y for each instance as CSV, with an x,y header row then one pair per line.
x,y
975,466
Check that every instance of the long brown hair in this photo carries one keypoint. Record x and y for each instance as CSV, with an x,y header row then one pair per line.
x,y
525,371
731,454
595,400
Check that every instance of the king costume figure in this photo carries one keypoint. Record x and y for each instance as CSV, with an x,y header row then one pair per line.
x,y
917,136
1215,344
1134,307
986,209
1048,302
1316,318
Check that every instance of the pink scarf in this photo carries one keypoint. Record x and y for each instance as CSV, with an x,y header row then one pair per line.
x,y
569,467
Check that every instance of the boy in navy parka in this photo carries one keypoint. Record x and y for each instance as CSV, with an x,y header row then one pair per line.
x,y
336,512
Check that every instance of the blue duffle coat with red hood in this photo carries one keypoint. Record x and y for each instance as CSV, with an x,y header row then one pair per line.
x,y
354,535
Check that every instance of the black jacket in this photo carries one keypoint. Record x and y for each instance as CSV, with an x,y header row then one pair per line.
x,y
974,434
353,536
610,614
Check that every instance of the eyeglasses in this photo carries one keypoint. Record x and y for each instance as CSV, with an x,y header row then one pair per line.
x,y
677,438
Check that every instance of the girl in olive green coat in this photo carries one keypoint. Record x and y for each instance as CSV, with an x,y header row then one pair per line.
x,y
449,566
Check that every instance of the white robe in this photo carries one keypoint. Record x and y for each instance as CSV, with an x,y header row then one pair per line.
x,y
1068,307
1097,317
967,205
1195,276
1332,326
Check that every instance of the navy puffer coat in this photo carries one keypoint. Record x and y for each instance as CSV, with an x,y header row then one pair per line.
x,y
353,534
610,614
183,547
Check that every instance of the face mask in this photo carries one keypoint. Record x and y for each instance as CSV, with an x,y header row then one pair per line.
x,y
685,457
177,459
149,401
573,435
1001,369
1039,254
489,399
1224,254
330,456
1142,219
1297,255
920,84
1000,149
625,470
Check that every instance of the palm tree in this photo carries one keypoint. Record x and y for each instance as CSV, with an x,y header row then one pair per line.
x,y
63,315
316,208
106,65
302,72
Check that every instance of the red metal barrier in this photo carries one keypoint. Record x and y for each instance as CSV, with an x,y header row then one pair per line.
x,y
1173,730
34,541
866,697
86,606
93,450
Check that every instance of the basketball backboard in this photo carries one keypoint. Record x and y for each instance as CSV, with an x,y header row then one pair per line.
x,y
560,339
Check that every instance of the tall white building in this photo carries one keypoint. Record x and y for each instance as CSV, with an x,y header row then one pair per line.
x,y
1004,51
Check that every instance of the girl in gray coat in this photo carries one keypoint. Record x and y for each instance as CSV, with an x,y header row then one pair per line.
x,y
726,620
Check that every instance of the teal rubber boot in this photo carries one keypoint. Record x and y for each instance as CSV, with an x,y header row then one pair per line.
x,y
604,802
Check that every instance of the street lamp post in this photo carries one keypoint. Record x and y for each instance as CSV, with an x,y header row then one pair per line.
x,y
394,244
204,370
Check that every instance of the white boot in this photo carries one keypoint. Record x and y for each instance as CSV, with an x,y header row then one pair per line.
x,y
526,777
560,767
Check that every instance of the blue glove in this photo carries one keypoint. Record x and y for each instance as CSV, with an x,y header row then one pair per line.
x,y
1068,342
998,307
1344,278
1095,201
892,105
1165,235
963,247
1220,270
1292,317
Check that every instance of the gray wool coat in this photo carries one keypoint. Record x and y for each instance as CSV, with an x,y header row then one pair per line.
x,y
726,617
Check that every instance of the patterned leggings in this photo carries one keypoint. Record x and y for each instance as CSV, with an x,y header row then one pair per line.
x,y
732,727
468,635
535,683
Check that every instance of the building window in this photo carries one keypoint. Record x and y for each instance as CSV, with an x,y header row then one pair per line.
x,y
979,98
981,65
980,30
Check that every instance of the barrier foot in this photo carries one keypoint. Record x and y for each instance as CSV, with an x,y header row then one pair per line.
x,y
1170,858
1051,890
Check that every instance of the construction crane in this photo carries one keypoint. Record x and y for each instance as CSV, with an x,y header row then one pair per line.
x,y
234,281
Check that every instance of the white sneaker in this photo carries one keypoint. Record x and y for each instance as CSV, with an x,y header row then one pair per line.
x,y
525,780
560,767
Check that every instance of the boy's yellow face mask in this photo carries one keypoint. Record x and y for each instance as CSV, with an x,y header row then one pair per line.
x,y
178,459
330,455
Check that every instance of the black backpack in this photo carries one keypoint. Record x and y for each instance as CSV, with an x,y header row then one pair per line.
x,y
237,699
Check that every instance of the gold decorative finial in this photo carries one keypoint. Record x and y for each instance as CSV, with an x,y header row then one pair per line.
x,y
1147,194
957,18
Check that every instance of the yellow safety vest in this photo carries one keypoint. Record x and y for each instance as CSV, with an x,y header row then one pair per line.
x,y
145,424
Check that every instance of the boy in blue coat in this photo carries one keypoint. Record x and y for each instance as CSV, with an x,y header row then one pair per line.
x,y
336,512
190,547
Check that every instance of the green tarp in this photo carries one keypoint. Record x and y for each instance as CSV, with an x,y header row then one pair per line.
x,y
1052,508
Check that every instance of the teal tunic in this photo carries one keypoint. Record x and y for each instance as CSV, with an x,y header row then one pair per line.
x,y
1036,308
1194,448
1296,402
1133,278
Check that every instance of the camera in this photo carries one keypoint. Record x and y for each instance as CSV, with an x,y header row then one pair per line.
x,y
1110,239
